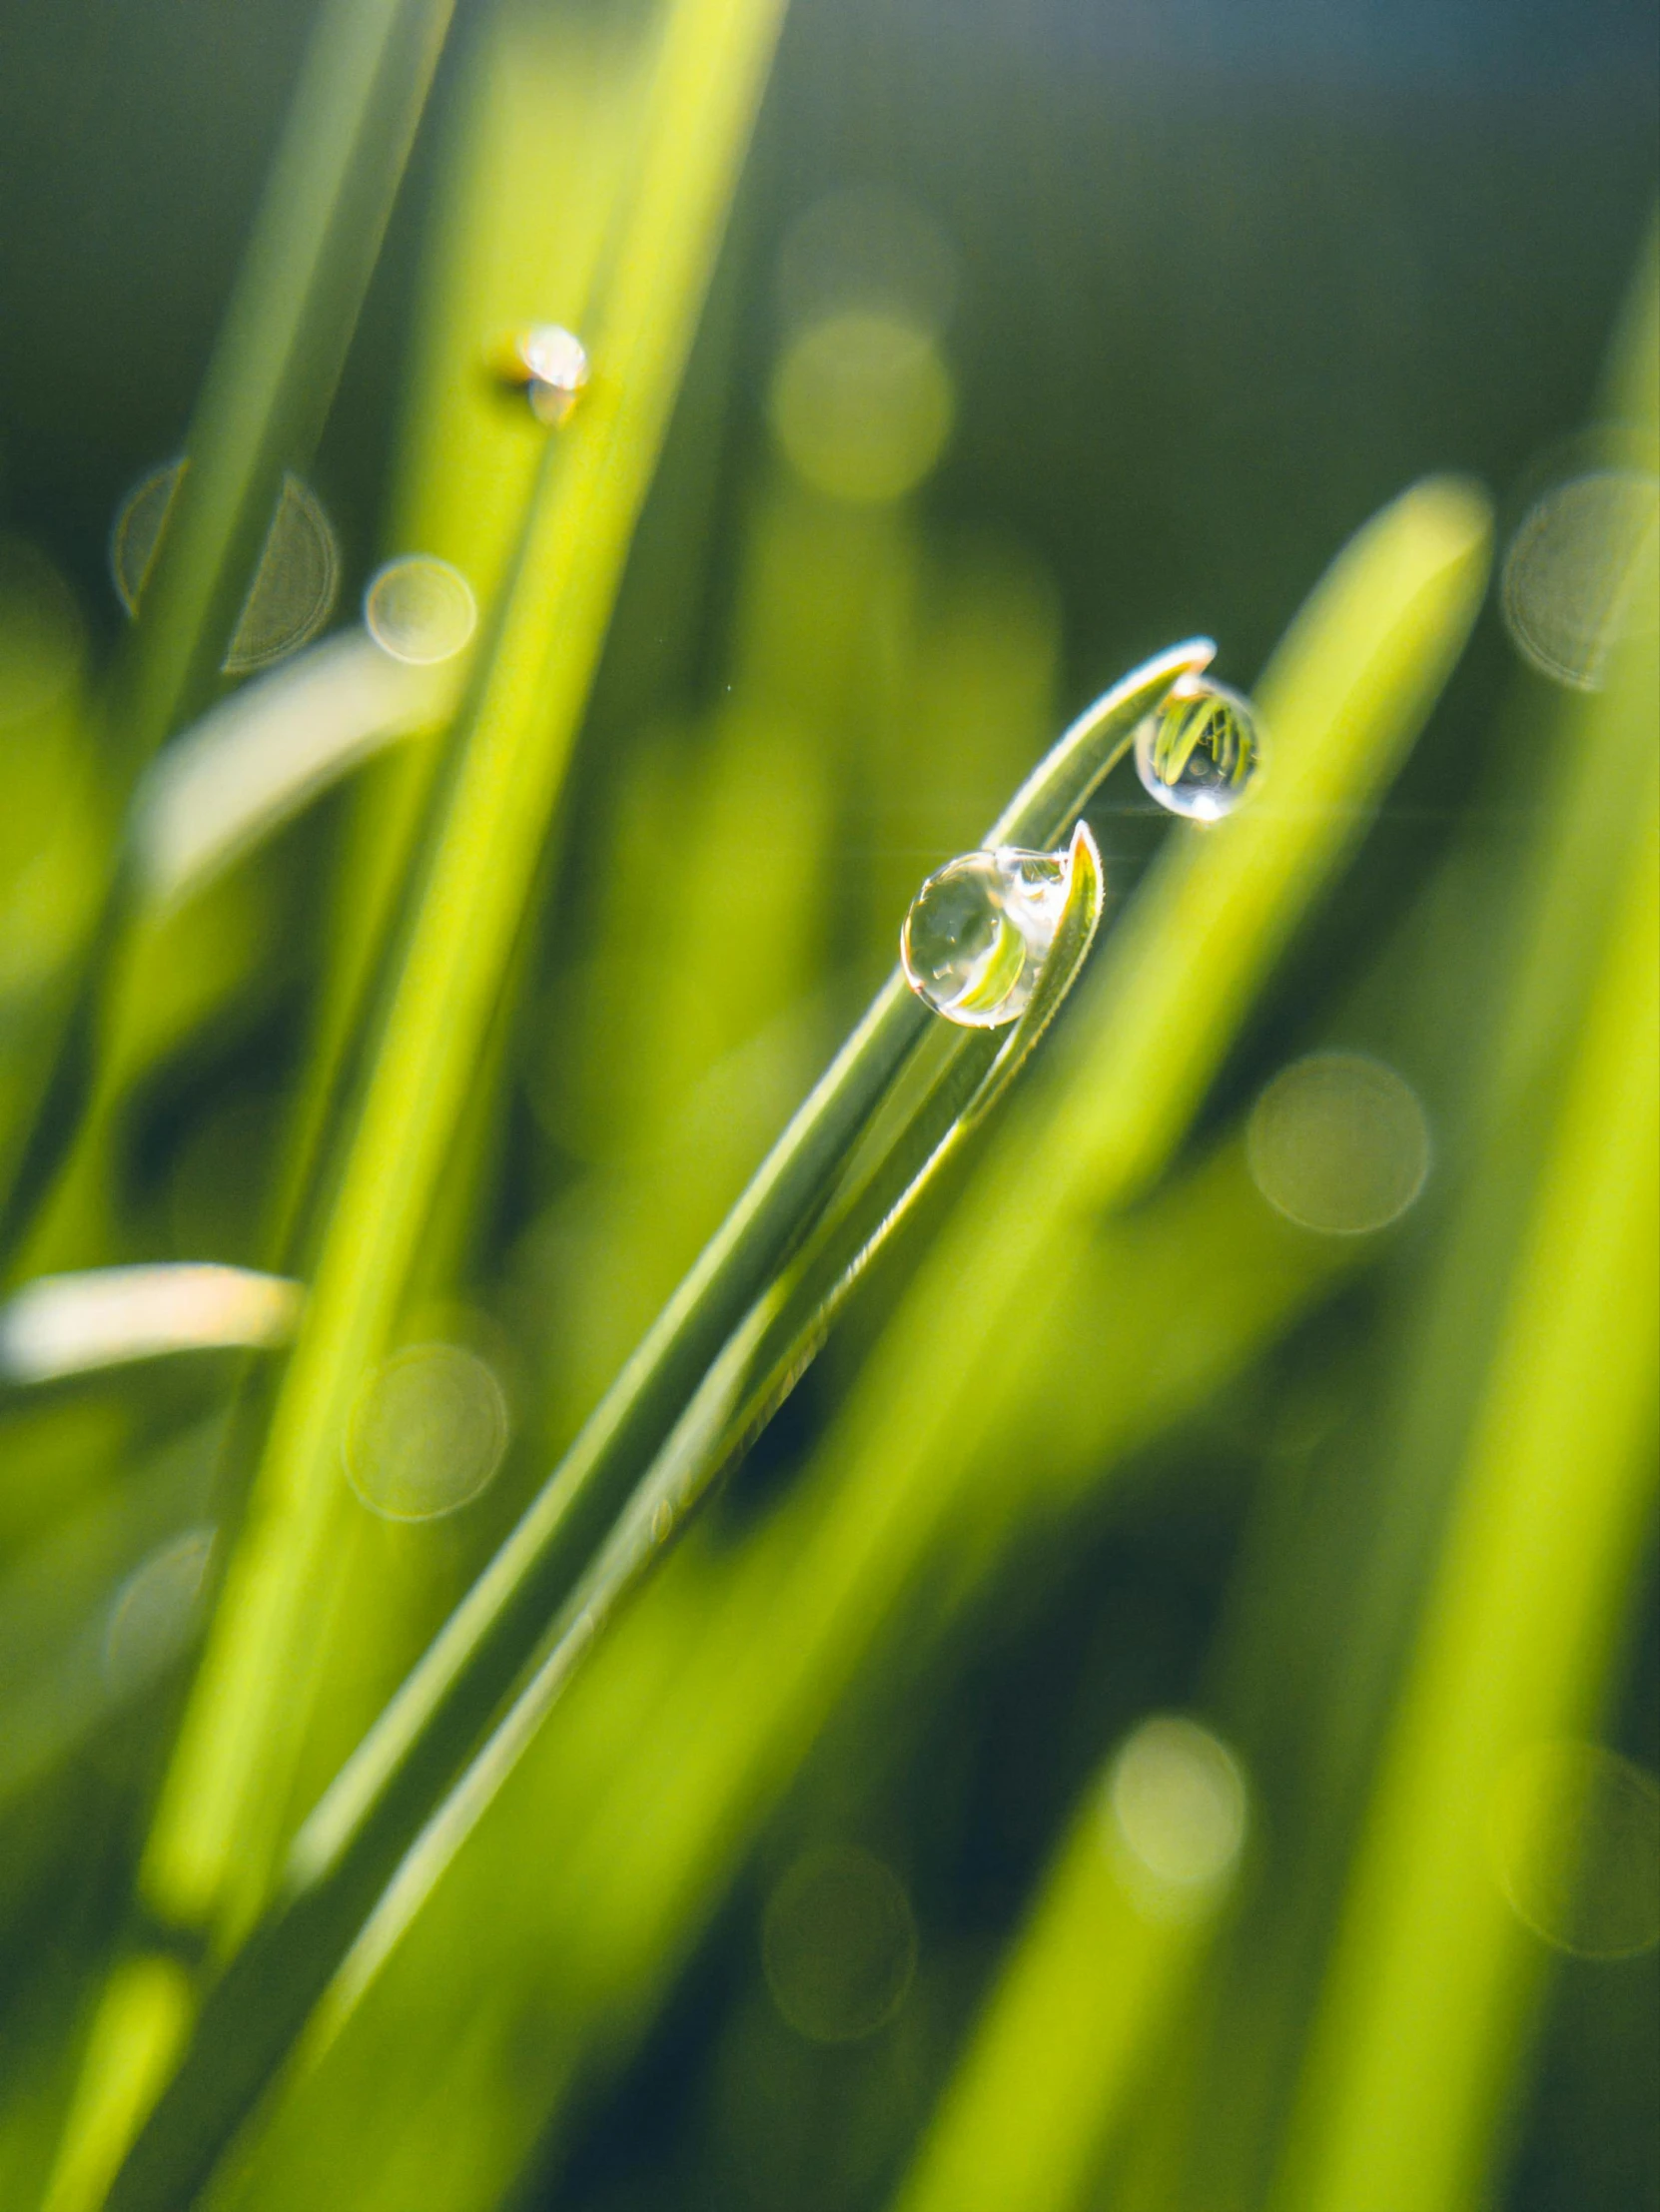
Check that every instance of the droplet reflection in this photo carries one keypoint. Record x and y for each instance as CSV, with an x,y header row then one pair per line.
x,y
838,1945
1201,751
1575,1836
1579,573
1177,1810
1338,1143
294,586
419,609
427,1433
979,932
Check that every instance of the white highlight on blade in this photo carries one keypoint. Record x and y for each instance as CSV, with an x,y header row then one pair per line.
x,y
71,1324
253,762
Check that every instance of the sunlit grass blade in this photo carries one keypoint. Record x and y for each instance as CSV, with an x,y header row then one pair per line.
x,y
648,1841
267,392
1429,2000
1081,2012
374,1814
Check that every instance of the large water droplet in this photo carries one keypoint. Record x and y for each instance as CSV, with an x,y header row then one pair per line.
x,y
548,363
419,609
1201,751
294,586
979,932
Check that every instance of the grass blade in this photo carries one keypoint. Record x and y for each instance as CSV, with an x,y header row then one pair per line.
x,y
267,392
779,1638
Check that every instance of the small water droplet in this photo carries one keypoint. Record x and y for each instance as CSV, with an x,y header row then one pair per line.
x,y
979,932
294,586
419,609
548,363
1201,751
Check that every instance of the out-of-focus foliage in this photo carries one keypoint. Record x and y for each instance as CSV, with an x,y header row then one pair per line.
x,y
1167,1713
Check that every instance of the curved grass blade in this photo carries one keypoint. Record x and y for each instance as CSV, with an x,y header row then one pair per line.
x,y
350,1848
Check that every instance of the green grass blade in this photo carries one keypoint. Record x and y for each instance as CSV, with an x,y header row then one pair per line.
x,y
267,389
779,1640
1082,2008
374,1814
1434,1982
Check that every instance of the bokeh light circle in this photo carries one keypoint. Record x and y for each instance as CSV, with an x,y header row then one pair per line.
x,y
1575,1835
427,1433
838,1945
1338,1143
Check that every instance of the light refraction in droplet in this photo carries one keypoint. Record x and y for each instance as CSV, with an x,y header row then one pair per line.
x,y
1579,573
427,1433
979,932
294,586
548,363
1201,751
419,609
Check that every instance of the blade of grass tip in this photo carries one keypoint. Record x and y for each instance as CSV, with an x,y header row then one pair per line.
x,y
648,1841
748,1382
1087,1997
382,1801
1349,690
267,389
1435,1979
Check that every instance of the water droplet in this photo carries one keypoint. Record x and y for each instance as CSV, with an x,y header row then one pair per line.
x,y
294,586
419,609
1338,1143
1575,1838
548,363
838,1945
862,404
427,1433
1579,573
979,932
1176,1804
1201,751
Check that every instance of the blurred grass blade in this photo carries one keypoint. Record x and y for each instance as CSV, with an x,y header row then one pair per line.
x,y
269,386
722,1678
267,389
236,776
1082,2007
73,1324
226,1796
375,1812
1434,1980
895,1485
